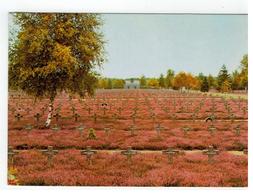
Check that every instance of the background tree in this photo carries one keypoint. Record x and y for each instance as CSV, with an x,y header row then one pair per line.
x,y
169,78
102,83
180,80
204,85
187,80
201,77
236,80
153,83
118,83
109,84
161,81
244,72
56,52
226,86
211,81
223,76
143,81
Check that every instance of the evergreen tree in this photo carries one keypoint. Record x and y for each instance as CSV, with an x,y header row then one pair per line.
x,y
204,85
223,76
226,86
161,81
211,81
169,78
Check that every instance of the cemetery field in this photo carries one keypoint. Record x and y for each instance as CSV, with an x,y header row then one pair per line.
x,y
129,138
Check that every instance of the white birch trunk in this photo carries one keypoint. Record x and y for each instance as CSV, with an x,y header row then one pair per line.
x,y
49,116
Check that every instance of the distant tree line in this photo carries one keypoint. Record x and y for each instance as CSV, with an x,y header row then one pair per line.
x,y
223,82
110,83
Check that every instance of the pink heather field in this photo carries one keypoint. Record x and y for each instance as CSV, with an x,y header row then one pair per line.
x,y
100,99
140,137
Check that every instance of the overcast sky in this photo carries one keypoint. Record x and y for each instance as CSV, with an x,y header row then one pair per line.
x,y
150,44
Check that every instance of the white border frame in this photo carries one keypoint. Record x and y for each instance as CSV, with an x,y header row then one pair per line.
x,y
107,6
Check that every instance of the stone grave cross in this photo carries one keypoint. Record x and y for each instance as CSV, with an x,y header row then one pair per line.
x,y
88,152
76,116
28,127
80,129
28,110
210,152
50,152
18,116
158,129
107,130
55,128
170,152
185,130
11,154
212,129
132,129
129,153
37,117
237,130
57,116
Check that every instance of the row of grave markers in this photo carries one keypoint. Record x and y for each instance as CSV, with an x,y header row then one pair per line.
x,y
135,109
133,128
88,152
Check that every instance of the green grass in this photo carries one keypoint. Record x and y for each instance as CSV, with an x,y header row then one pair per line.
x,y
229,95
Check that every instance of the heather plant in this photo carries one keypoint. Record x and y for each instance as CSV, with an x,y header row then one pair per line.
x,y
147,170
91,134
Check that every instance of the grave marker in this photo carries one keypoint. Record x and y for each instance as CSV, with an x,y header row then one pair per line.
x,y
50,152
28,110
55,128
28,127
37,117
57,116
80,128
88,152
11,154
43,109
18,116
95,117
133,116
170,152
237,130
76,116
132,129
158,129
212,129
185,130
129,153
210,152
107,131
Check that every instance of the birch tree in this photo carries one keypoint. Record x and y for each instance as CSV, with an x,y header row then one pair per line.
x,y
55,52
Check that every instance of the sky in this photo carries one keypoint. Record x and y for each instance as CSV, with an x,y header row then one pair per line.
x,y
150,44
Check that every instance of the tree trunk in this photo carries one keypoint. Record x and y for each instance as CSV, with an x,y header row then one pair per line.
x,y
50,114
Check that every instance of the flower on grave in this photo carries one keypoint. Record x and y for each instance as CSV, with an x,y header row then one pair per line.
x,y
12,179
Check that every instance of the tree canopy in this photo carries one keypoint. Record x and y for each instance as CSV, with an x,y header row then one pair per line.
x,y
55,52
